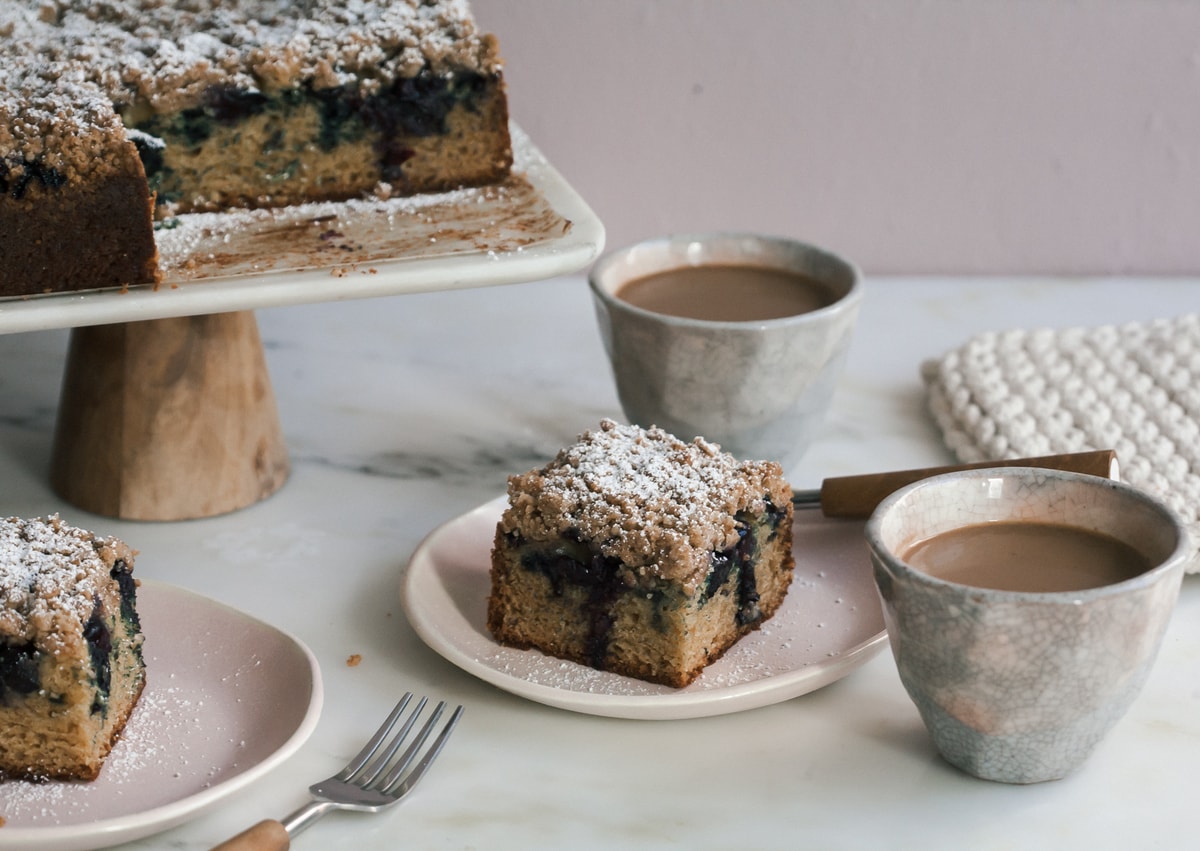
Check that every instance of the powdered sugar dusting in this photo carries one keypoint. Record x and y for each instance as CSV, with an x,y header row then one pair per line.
x,y
88,59
50,575
659,505
358,235
156,735
225,697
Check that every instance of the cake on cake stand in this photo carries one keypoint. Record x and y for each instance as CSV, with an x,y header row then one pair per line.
x,y
166,410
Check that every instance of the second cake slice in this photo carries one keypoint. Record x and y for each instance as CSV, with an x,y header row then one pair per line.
x,y
637,553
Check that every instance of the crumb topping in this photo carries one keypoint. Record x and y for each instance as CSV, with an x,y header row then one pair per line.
x,y
72,65
50,576
659,505
54,129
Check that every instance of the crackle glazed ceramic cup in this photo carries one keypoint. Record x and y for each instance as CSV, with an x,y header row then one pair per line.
x,y
1019,686
758,386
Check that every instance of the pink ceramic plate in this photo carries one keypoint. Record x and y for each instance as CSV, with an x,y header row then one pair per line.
x,y
830,623
227,698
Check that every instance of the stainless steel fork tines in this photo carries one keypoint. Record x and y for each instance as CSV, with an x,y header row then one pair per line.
x,y
379,776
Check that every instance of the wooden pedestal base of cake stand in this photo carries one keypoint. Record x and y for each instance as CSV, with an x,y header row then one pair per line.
x,y
168,419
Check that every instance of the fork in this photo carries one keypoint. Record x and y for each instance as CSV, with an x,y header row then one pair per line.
x,y
368,783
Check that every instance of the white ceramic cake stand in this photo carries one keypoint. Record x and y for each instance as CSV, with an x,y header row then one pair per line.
x,y
167,412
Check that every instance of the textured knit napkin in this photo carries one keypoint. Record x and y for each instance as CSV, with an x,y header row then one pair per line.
x,y
1134,388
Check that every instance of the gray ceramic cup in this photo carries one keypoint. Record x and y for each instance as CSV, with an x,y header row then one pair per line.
x,y
1013,686
758,388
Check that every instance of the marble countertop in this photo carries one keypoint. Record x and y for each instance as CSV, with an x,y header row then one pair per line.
x,y
401,413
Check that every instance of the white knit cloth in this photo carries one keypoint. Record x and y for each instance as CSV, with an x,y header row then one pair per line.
x,y
1134,388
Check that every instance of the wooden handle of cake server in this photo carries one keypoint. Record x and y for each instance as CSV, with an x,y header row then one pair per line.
x,y
857,496
267,835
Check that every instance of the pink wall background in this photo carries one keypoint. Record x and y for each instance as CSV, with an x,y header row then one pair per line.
x,y
915,136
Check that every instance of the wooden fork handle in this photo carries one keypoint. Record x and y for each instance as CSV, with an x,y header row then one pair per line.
x,y
268,835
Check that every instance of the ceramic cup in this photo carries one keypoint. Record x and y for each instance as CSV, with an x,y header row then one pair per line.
x,y
758,388
1016,686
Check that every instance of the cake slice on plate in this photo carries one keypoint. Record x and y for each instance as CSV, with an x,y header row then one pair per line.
x,y
71,667
637,553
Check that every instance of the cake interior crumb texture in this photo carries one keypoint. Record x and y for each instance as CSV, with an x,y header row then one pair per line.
x,y
71,666
119,112
637,553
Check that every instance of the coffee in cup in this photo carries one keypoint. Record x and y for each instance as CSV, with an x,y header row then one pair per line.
x,y
720,293
1021,655
736,338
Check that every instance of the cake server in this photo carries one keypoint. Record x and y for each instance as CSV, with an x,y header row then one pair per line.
x,y
857,496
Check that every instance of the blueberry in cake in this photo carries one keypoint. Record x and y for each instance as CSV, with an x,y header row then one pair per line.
x,y
71,667
637,553
113,112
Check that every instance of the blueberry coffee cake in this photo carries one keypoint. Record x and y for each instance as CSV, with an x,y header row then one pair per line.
x,y
71,667
637,553
114,112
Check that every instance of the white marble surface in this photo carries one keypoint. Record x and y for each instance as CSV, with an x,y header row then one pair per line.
x,y
401,413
